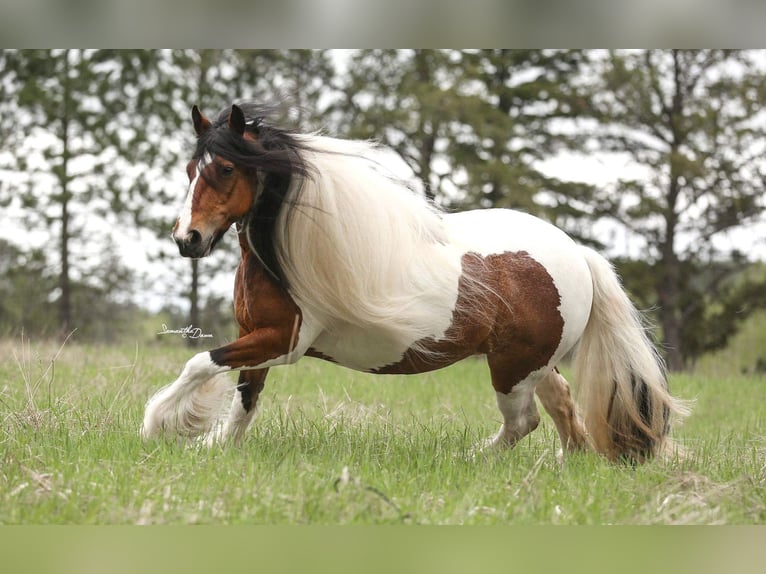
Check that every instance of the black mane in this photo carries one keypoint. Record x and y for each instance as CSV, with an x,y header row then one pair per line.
x,y
272,160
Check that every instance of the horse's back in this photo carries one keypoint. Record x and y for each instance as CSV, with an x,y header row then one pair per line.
x,y
490,231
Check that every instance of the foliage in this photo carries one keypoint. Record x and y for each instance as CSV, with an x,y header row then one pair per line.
x,y
718,298
94,144
82,131
472,124
95,139
25,288
693,120
29,297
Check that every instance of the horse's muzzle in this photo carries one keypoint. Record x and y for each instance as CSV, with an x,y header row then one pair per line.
x,y
192,245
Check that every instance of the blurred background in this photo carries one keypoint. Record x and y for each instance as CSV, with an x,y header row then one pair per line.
x,y
655,157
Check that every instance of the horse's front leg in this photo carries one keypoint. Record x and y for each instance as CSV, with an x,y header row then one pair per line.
x,y
190,405
242,410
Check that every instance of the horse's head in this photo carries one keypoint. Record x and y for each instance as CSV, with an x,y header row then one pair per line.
x,y
221,190
236,159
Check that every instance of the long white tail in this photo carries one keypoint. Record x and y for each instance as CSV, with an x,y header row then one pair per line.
x,y
622,387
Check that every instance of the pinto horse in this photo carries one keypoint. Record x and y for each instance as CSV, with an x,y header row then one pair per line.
x,y
344,262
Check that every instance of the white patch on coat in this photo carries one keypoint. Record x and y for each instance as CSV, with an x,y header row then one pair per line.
x,y
520,415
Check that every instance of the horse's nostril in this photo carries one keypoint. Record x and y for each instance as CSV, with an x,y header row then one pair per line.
x,y
194,237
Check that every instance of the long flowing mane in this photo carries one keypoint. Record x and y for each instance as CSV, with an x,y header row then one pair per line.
x,y
362,247
352,242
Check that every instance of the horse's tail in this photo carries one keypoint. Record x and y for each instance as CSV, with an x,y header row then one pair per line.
x,y
621,380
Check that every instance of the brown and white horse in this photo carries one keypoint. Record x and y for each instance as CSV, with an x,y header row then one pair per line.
x,y
344,262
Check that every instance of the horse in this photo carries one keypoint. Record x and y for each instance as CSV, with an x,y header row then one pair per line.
x,y
343,261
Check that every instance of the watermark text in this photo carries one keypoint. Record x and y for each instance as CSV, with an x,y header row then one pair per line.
x,y
190,332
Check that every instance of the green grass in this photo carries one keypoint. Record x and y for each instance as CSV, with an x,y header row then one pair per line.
x,y
331,446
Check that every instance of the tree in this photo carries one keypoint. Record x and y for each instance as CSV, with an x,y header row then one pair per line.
x,y
511,119
87,124
25,285
693,119
403,99
94,144
103,312
471,125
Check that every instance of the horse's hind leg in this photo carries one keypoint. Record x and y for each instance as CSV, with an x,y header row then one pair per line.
x,y
520,416
243,408
516,401
553,392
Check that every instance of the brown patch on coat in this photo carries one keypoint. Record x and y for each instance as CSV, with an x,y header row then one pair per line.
x,y
507,309
268,317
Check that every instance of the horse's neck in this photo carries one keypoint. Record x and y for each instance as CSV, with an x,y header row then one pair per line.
x,y
252,265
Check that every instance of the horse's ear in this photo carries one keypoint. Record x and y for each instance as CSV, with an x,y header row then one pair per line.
x,y
237,119
201,123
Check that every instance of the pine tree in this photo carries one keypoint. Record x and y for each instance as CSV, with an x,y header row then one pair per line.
x,y
510,120
471,124
693,119
82,152
404,99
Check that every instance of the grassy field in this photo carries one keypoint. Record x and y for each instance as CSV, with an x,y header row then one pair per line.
x,y
332,446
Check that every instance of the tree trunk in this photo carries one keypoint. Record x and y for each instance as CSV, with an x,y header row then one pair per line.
x,y
669,286
669,281
667,294
504,103
65,303
426,127
194,317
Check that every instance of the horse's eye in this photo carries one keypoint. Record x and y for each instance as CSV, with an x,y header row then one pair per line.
x,y
226,170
